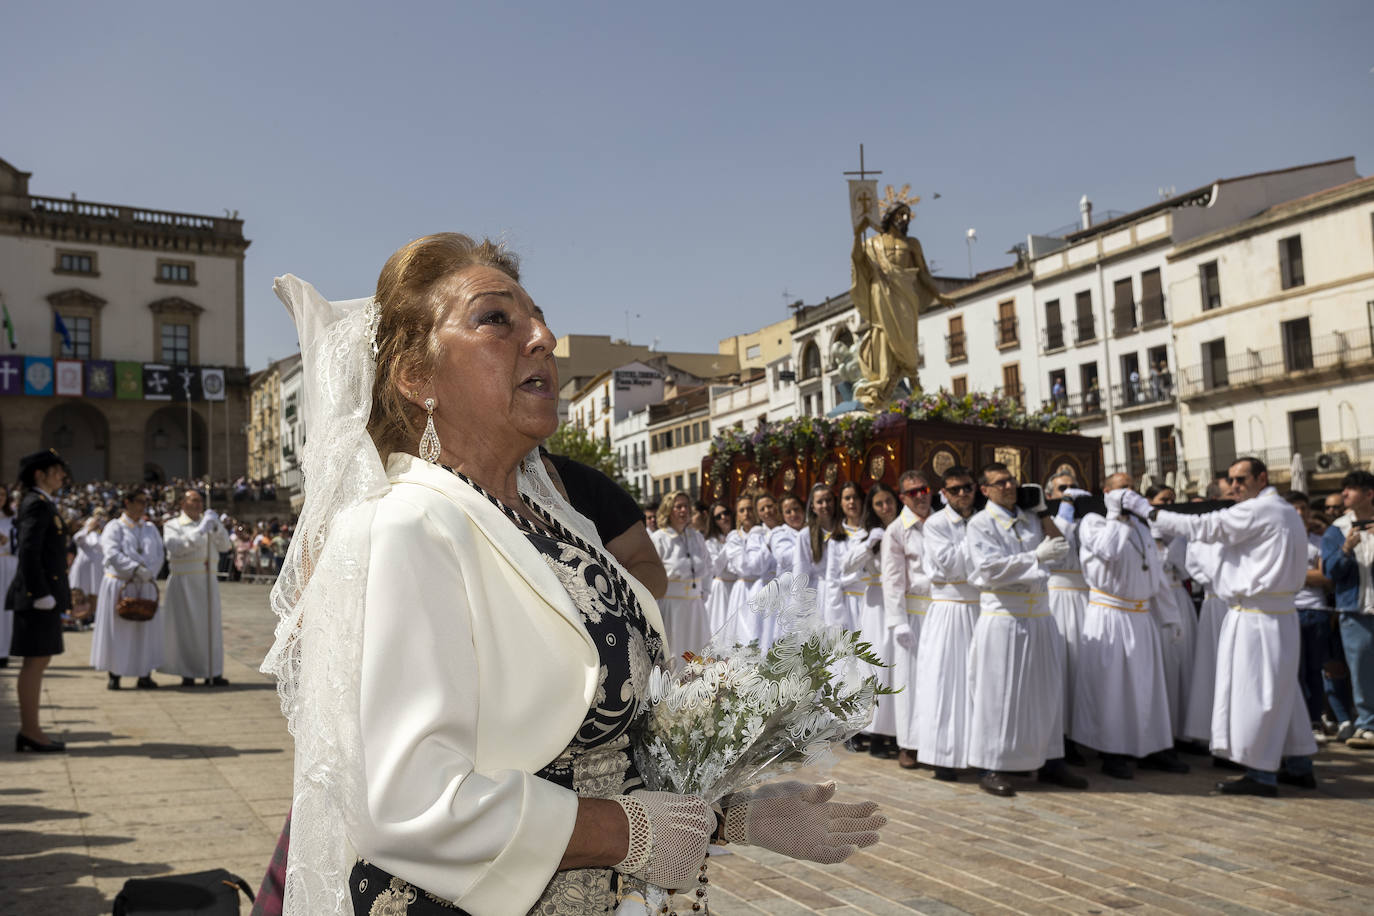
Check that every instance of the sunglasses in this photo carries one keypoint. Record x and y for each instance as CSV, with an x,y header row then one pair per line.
x,y
916,491
1238,479
1003,483
1061,488
724,513
960,490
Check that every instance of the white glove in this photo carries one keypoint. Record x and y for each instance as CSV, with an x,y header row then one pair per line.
x,y
668,837
46,603
801,821
902,636
209,520
1133,502
1073,493
1051,551
143,574
1113,500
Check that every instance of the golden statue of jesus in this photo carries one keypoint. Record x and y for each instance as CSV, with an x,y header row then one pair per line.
x,y
891,287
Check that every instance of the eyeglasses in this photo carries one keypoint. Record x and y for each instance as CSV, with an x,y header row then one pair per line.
x,y
960,490
1004,482
916,491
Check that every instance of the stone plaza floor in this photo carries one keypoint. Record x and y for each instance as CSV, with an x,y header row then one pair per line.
x,y
184,779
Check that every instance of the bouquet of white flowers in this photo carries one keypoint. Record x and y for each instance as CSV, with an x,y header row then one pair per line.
x,y
736,716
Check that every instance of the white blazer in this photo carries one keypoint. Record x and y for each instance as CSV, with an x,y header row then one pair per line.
x,y
476,673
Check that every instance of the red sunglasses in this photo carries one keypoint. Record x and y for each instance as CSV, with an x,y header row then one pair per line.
x,y
916,491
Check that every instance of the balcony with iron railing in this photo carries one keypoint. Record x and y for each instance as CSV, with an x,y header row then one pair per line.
x,y
955,350
1053,337
1152,313
1300,362
1155,391
1015,392
1124,319
1322,465
1085,406
1006,332
1084,330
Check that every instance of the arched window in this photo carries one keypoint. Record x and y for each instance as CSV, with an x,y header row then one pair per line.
x,y
811,361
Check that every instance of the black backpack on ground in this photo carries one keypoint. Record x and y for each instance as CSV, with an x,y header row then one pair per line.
x,y
204,893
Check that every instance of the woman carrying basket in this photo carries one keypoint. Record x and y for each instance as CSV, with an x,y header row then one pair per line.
x,y
133,554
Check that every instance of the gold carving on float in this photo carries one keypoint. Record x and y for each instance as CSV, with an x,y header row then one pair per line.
x,y
789,479
832,474
753,482
876,465
942,461
1011,457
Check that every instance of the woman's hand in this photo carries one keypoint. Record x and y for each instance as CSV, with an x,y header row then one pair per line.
x,y
668,837
800,821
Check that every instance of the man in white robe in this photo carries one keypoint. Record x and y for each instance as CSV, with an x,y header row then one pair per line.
x,y
906,597
1258,716
945,712
1068,594
193,643
1120,697
1016,662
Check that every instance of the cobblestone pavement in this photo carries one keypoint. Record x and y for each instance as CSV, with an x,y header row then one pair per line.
x,y
183,779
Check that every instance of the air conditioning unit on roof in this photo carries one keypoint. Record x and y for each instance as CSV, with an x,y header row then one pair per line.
x,y
1333,461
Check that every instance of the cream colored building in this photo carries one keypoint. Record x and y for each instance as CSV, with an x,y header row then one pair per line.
x,y
582,357
757,349
1272,320
264,420
131,284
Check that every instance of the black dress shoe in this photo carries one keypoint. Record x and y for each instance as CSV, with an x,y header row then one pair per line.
x,y
1221,763
146,683
884,747
1165,761
1057,773
1247,786
1117,766
1072,755
217,681
23,742
1301,780
946,774
188,682
1196,748
997,784
112,683
4,662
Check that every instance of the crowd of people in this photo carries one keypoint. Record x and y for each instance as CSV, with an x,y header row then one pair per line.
x,y
1021,639
119,543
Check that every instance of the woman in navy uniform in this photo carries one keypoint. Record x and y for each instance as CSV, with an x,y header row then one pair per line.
x,y
39,593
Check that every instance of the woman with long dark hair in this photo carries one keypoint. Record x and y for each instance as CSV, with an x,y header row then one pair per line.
x,y
880,510
722,577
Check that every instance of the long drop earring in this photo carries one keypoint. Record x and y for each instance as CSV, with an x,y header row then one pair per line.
x,y
429,442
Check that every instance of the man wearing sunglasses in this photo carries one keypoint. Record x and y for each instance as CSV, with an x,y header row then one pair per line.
x,y
906,595
1016,662
946,707
1120,697
1259,719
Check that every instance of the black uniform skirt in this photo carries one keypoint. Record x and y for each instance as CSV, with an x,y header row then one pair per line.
x,y
36,633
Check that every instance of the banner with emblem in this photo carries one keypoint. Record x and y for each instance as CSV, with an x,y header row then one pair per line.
x,y
157,382
186,383
100,378
212,384
38,375
129,380
68,372
11,375
863,202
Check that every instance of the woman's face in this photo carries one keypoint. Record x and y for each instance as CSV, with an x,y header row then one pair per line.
x,y
885,507
721,518
496,385
768,511
744,514
853,505
793,515
681,513
823,506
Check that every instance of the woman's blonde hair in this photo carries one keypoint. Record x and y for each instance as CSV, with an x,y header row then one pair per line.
x,y
665,506
409,298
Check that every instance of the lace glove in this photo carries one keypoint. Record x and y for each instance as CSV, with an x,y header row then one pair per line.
x,y
668,837
1133,502
902,635
1051,551
800,821
46,603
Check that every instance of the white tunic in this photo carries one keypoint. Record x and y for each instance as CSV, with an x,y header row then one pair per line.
x,y
1120,701
1174,606
748,557
945,713
1016,662
845,596
190,614
1258,714
782,545
1068,603
813,570
1201,562
906,598
127,648
688,564
862,555
88,569
718,590
9,564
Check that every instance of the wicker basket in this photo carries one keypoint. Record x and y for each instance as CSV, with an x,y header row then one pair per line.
x,y
136,609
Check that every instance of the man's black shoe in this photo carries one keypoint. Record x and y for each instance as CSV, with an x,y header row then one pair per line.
x,y
1301,780
188,682
1196,748
1166,761
1247,786
1055,772
146,683
946,774
997,784
1072,755
112,682
217,681
1221,763
1117,766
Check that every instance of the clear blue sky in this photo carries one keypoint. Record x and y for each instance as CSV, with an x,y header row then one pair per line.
x,y
682,163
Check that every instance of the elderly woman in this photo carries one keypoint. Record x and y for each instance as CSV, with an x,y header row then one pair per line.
x,y
462,663
132,552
